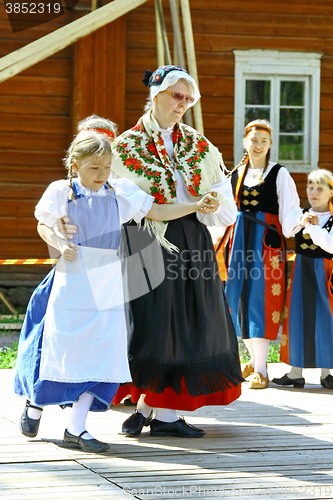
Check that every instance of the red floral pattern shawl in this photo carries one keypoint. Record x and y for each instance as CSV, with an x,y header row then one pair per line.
x,y
139,154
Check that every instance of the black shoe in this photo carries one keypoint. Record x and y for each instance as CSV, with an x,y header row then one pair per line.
x,y
29,426
88,445
128,402
285,380
133,425
179,428
327,382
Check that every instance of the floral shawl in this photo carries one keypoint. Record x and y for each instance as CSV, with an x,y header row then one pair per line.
x,y
139,154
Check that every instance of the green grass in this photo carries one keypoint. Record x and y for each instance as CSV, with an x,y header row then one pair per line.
x,y
273,352
8,356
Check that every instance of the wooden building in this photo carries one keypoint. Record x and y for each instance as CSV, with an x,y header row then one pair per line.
x,y
273,58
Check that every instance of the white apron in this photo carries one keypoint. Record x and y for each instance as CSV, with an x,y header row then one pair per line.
x,y
85,337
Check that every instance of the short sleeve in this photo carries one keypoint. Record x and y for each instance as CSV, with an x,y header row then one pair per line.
x,y
53,203
133,202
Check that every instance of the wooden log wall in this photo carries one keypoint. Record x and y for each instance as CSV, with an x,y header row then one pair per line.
x,y
219,29
40,107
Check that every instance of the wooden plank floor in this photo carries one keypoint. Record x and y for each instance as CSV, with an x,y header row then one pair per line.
x,y
275,443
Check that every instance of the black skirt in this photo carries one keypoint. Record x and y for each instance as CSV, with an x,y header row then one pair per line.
x,y
182,329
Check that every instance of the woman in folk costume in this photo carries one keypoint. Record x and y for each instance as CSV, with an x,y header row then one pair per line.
x,y
77,354
307,336
183,353
268,210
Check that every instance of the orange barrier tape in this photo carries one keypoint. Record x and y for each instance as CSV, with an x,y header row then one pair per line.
x,y
8,262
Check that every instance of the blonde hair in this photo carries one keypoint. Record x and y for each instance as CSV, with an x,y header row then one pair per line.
x,y
321,176
85,145
93,122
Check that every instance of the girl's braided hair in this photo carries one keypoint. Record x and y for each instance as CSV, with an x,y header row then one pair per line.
x,y
86,144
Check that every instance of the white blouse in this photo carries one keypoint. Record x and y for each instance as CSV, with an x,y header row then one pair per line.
x,y
133,202
320,236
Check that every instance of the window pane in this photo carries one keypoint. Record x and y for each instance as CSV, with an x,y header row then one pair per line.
x,y
258,92
292,120
292,93
291,147
254,113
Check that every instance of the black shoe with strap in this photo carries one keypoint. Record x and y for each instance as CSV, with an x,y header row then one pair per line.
x,y
298,383
88,445
179,428
134,424
29,426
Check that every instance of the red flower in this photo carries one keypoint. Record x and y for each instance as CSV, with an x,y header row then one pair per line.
x,y
202,145
196,179
133,162
159,197
152,148
192,191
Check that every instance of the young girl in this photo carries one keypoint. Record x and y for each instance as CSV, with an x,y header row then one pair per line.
x,y
268,210
307,338
79,355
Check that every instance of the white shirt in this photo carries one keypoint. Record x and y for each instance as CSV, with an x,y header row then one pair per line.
x,y
320,236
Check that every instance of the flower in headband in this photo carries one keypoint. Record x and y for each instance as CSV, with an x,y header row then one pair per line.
x,y
166,76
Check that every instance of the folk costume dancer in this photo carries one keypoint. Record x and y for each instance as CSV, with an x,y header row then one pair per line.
x,y
268,211
183,353
307,336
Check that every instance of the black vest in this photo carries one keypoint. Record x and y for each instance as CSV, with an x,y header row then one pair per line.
x,y
305,245
262,197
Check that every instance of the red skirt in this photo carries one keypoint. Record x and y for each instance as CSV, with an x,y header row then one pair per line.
x,y
170,399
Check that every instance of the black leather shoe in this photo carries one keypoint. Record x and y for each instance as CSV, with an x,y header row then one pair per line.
x,y
298,383
327,382
88,445
129,402
29,426
133,425
179,428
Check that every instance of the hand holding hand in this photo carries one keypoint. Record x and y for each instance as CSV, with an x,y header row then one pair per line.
x,y
208,203
308,218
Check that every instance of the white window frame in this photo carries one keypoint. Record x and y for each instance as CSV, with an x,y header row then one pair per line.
x,y
280,65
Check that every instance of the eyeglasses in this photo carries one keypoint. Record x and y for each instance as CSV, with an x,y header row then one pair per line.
x,y
180,97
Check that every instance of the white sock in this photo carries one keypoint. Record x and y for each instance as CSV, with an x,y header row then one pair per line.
x,y
260,348
295,372
165,415
324,373
33,412
142,408
80,409
249,346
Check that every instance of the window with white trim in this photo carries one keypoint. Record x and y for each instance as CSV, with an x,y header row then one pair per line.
x,y
283,88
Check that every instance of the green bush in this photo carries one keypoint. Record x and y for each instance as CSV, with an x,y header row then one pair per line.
x,y
8,356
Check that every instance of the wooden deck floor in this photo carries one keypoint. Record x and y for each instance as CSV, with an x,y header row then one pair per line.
x,y
275,443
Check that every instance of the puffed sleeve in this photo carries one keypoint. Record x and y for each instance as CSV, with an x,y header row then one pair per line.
x,y
133,202
289,208
320,237
226,214
53,203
